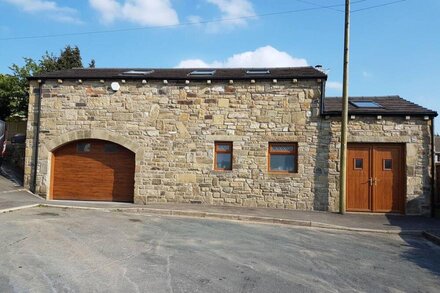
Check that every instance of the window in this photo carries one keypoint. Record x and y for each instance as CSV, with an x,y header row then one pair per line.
x,y
137,72
110,148
365,104
283,157
387,164
358,164
257,71
202,72
223,156
83,147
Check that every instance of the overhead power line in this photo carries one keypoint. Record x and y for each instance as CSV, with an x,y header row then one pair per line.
x,y
318,7
378,5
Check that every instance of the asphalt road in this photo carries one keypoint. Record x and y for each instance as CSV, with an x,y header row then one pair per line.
x,y
64,250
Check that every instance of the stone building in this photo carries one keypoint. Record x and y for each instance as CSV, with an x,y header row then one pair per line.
x,y
244,137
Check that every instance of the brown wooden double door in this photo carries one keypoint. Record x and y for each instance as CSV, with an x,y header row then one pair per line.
x,y
93,170
375,178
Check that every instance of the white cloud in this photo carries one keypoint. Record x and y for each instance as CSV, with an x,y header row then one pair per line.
x,y
143,12
50,9
262,57
334,85
232,13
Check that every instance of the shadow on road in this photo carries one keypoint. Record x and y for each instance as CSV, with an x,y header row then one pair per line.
x,y
12,174
419,253
422,252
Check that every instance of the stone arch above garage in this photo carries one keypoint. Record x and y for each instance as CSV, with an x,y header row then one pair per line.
x,y
95,134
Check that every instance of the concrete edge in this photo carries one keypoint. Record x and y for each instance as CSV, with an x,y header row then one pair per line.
x,y
431,237
19,208
244,218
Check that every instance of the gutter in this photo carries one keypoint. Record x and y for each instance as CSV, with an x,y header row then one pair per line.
x,y
412,114
433,171
321,106
33,186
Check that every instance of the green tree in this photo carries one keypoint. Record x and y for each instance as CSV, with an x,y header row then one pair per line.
x,y
48,62
14,95
70,58
92,63
14,89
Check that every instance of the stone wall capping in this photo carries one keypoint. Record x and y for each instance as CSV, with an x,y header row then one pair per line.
x,y
231,81
379,117
60,81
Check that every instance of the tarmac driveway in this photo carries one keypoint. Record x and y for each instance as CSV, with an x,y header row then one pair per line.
x,y
71,250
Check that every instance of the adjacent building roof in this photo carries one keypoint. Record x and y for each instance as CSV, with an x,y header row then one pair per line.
x,y
185,73
383,105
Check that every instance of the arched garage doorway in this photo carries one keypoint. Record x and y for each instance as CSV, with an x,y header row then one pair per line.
x,y
93,169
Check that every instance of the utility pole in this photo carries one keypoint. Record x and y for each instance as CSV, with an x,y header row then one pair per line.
x,y
343,158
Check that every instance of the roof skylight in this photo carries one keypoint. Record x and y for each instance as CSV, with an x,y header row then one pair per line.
x,y
137,72
365,104
202,72
258,71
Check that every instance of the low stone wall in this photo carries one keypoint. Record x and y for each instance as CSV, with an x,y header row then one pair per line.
x,y
15,155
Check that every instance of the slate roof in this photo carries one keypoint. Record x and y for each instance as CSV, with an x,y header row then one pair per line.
x,y
183,73
391,106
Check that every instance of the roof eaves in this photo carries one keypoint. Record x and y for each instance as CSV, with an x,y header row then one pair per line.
x,y
397,113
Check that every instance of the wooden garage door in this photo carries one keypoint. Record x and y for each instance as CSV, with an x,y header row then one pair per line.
x,y
375,181
93,170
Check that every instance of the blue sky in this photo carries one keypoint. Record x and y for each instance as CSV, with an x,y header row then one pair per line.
x,y
395,49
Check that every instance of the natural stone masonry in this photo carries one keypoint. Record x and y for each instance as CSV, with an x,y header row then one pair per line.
x,y
172,129
414,134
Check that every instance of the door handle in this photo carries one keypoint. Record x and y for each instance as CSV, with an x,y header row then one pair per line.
x,y
370,181
375,181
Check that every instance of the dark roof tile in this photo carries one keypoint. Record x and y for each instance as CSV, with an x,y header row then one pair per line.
x,y
391,105
182,73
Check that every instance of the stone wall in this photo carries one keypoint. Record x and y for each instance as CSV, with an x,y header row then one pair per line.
x,y
177,124
414,134
172,129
